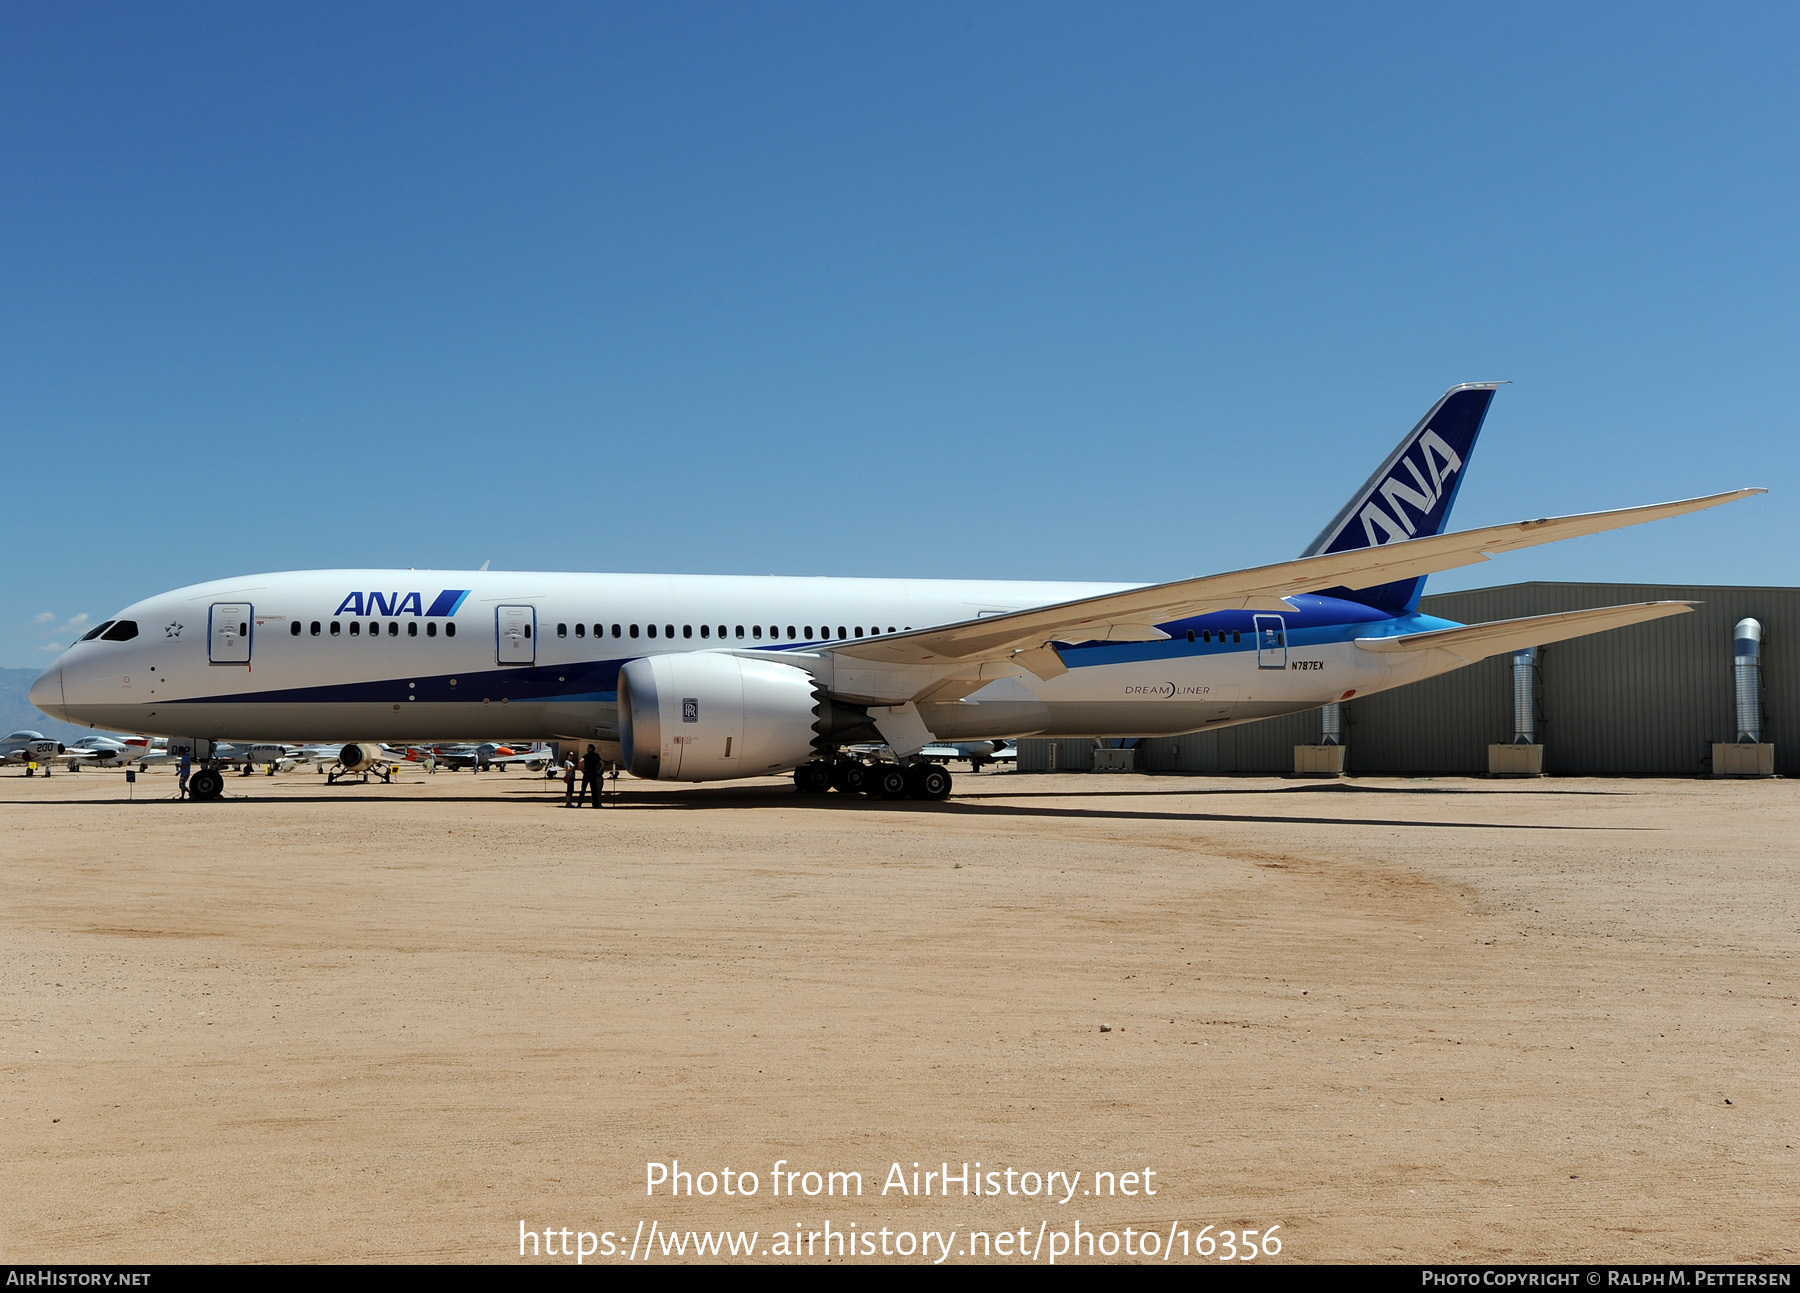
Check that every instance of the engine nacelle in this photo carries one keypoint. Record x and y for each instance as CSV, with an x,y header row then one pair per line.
x,y
706,717
360,757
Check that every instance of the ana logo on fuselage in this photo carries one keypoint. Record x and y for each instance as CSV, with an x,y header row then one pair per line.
x,y
445,603
1423,494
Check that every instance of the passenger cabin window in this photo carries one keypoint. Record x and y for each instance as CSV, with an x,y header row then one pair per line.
x,y
668,630
412,628
449,630
706,630
740,631
315,628
334,628
528,630
634,630
600,631
562,630
792,633
843,632
615,630
581,630
859,630
393,628
756,632
96,631
355,628
431,629
809,632
650,630
294,629
687,630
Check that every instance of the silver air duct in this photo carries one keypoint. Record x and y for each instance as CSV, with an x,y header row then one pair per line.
x,y
1525,696
1746,650
1331,724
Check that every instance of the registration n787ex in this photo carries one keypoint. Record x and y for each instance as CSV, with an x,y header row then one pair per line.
x,y
704,678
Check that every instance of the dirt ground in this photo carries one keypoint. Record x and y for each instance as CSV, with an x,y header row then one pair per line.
x,y
1422,1020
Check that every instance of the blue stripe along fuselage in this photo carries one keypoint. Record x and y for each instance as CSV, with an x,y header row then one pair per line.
x,y
1313,621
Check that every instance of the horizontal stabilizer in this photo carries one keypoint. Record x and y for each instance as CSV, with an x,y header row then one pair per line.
x,y
1474,642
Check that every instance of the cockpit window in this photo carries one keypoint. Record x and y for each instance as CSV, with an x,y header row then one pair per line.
x,y
121,631
96,631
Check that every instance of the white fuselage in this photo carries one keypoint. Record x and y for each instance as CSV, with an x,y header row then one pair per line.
x,y
354,655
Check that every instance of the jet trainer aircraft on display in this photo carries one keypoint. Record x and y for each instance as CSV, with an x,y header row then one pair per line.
x,y
703,678
31,749
478,758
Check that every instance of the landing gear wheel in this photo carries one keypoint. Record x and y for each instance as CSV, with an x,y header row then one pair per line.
x,y
851,777
206,784
887,781
812,778
933,782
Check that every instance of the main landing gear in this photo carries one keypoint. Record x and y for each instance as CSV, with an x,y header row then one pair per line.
x,y
876,780
207,783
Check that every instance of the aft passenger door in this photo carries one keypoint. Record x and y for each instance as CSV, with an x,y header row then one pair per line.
x,y
228,633
1271,642
515,632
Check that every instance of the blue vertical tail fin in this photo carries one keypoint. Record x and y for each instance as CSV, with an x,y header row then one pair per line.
x,y
1411,494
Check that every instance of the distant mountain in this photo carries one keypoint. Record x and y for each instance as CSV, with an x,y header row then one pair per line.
x,y
17,711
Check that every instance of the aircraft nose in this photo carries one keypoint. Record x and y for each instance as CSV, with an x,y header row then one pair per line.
x,y
47,691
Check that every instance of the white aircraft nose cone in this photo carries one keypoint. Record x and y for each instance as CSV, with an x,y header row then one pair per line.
x,y
47,691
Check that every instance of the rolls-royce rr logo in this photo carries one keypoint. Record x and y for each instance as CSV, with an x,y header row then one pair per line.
x,y
690,709
172,630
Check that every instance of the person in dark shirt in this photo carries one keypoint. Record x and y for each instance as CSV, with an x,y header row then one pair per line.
x,y
591,768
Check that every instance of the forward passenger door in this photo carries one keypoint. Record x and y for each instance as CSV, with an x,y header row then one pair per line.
x,y
228,633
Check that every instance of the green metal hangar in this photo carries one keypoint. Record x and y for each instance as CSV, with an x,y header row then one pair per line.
x,y
1652,700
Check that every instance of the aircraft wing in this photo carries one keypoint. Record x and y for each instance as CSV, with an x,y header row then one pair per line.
x,y
527,757
1474,642
1026,637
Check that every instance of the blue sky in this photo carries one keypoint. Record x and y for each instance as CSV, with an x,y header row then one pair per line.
x,y
1023,291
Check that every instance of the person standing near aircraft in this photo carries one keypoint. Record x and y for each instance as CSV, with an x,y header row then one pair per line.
x,y
590,775
569,779
187,766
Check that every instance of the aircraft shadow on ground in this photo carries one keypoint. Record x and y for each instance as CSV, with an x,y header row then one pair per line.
x,y
701,798
995,803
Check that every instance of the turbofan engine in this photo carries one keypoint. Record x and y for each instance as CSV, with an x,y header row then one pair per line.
x,y
705,717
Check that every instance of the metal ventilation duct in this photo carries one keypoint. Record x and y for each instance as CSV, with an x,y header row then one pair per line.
x,y
1746,651
1525,696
